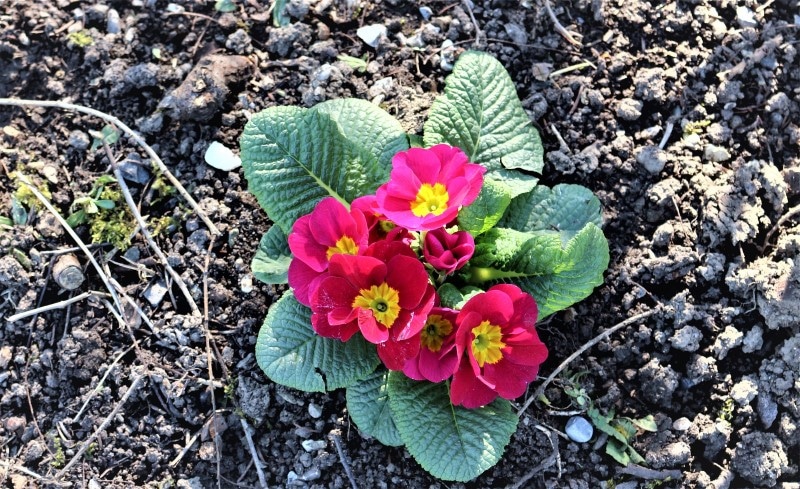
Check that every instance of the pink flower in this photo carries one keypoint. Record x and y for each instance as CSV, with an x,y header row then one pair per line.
x,y
427,187
437,358
387,300
448,252
330,229
499,349
380,228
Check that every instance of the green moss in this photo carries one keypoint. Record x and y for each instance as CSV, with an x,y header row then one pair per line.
x,y
80,38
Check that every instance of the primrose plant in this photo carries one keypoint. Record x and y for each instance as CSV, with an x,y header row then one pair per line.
x,y
417,273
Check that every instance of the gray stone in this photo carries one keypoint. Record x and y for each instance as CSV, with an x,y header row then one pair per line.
x,y
629,109
578,429
652,158
760,458
729,339
753,340
658,382
314,410
687,339
155,292
313,445
767,409
672,455
744,391
254,398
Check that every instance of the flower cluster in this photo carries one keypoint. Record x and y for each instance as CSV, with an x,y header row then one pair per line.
x,y
370,268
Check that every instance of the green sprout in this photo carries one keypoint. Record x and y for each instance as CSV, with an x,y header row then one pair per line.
x,y
358,64
80,38
107,222
225,6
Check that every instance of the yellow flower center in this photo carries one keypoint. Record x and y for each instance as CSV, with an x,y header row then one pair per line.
x,y
383,300
487,343
431,199
436,328
345,245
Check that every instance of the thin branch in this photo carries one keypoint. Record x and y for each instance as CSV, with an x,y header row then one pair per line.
x,y
133,135
647,473
560,28
343,458
254,453
50,307
23,470
468,6
146,233
85,445
789,214
99,386
77,240
597,339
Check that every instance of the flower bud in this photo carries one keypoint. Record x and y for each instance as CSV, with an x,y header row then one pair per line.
x,y
448,252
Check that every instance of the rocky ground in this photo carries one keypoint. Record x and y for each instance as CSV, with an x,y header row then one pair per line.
x,y
681,116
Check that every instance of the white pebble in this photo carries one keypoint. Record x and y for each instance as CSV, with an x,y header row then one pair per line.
x,y
313,445
579,430
371,34
314,410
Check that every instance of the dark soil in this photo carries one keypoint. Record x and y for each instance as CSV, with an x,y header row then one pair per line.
x,y
681,116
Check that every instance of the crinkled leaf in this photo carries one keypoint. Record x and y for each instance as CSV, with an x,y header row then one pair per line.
x,y
449,295
486,210
271,261
369,126
368,405
480,113
291,353
450,442
565,208
294,157
556,277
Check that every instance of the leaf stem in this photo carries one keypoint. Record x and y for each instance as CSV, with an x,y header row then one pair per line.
x,y
479,275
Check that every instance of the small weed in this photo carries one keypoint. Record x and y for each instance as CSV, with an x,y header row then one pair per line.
x,y
695,127
23,194
108,221
225,6
59,457
357,64
80,38
726,411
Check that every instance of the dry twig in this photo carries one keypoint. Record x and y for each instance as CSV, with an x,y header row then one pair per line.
x,y
343,458
133,135
85,445
597,339
146,233
254,453
789,214
647,473
50,307
77,240
560,28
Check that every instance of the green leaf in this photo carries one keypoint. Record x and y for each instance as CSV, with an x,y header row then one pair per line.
x,y
358,64
291,353
564,208
368,405
485,212
294,157
449,295
108,134
648,423
279,17
368,126
556,277
225,6
618,451
19,215
450,442
480,113
105,204
271,261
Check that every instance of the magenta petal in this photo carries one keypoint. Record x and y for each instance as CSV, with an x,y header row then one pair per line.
x,y
395,354
373,331
408,276
435,366
468,391
303,279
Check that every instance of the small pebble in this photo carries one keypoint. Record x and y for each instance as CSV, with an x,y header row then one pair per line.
x,y
652,159
371,34
579,429
314,410
426,13
313,445
112,25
